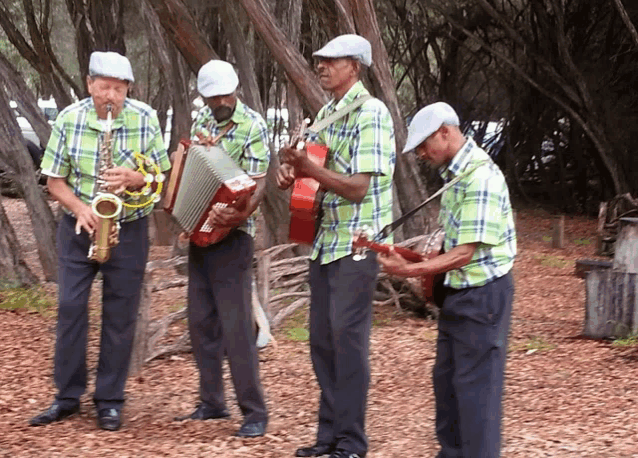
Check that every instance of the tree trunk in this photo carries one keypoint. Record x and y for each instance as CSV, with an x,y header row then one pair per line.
x,y
296,67
611,306
182,29
38,53
231,14
25,99
99,26
14,155
14,272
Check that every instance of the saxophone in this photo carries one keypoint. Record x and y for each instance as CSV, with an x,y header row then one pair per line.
x,y
105,205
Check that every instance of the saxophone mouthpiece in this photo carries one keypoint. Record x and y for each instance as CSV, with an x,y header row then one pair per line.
x,y
109,116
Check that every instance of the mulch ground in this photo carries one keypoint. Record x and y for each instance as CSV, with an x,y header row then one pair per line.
x,y
566,396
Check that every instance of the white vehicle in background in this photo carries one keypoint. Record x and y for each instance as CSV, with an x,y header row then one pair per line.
x,y
50,111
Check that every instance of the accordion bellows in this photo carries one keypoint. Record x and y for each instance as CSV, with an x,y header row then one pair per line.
x,y
203,177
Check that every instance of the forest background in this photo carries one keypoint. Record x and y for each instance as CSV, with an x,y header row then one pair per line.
x,y
547,86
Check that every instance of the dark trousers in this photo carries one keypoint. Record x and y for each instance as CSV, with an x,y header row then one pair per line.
x,y
340,324
220,320
469,369
122,281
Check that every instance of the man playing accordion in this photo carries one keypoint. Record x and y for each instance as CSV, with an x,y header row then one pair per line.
x,y
220,280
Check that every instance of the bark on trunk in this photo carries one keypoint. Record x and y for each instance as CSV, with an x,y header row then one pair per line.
x,y
25,99
183,32
244,56
296,67
14,155
14,271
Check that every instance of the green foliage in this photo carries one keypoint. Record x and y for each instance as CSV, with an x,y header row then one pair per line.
x,y
33,299
630,341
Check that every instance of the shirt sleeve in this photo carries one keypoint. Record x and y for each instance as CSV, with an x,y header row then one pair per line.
x,y
373,146
481,218
256,155
55,161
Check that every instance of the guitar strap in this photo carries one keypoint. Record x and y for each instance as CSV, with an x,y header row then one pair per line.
x,y
387,230
325,122
222,132
340,113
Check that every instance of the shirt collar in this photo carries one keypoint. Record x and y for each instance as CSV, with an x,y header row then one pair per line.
x,y
460,160
353,93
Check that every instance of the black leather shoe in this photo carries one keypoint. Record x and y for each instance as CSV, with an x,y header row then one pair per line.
x,y
52,414
315,450
109,419
255,429
340,453
203,412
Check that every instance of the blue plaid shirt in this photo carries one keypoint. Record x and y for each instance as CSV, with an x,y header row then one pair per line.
x,y
73,148
360,142
477,209
246,143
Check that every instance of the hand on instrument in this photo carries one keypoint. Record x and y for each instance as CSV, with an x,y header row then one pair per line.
x,y
293,156
230,216
85,219
393,263
285,176
119,178
205,140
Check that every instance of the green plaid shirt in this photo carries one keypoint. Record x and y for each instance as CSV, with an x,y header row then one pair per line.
x,y
72,151
246,142
477,209
360,142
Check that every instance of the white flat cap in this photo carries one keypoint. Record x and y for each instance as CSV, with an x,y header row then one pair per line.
x,y
348,46
427,121
216,77
111,65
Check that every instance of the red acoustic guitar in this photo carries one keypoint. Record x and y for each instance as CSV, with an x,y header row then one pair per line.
x,y
433,248
305,199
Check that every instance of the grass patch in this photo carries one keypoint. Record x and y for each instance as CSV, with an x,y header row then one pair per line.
x,y
295,326
33,299
535,344
629,341
553,261
298,334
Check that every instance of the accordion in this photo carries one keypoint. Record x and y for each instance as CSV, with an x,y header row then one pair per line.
x,y
204,177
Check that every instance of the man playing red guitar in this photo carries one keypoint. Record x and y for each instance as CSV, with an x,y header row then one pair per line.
x,y
358,185
479,251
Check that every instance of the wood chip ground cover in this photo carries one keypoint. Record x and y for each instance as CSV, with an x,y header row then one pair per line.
x,y
566,396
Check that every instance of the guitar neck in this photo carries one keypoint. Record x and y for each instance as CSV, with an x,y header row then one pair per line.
x,y
409,255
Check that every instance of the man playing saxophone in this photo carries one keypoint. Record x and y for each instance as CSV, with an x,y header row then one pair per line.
x,y
94,150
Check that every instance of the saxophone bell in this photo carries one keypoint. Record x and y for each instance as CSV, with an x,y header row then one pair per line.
x,y
107,207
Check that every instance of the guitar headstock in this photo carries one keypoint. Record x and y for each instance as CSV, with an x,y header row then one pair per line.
x,y
299,134
361,242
